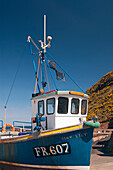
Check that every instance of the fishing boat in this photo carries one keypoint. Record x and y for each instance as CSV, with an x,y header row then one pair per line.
x,y
61,137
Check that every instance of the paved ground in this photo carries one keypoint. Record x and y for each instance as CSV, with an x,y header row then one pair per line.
x,y
101,162
99,159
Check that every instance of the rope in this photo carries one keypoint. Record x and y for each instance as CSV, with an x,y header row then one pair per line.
x,y
37,74
47,77
33,61
41,75
67,74
35,45
15,76
51,72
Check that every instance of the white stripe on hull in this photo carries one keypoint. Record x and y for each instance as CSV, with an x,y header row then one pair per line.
x,y
46,166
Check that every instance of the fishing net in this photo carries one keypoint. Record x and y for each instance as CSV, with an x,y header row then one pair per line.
x,y
59,75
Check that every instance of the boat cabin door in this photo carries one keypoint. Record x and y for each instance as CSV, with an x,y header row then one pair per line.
x,y
41,111
46,108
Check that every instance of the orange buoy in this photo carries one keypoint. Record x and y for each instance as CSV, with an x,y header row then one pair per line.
x,y
41,90
8,124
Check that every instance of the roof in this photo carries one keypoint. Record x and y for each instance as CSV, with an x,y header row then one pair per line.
x,y
55,92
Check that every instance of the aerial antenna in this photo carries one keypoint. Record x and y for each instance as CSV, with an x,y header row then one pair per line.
x,y
49,38
42,57
45,33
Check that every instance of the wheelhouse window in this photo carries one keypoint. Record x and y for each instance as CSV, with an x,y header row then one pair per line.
x,y
84,107
63,105
75,106
50,104
41,107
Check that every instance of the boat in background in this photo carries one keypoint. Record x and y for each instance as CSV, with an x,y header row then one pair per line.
x,y
61,137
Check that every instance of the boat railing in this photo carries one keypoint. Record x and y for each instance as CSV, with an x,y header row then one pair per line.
x,y
1,125
22,126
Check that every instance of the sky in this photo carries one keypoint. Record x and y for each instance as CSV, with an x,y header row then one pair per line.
x,y
82,44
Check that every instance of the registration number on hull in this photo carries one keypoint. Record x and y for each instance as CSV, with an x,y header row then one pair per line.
x,y
52,150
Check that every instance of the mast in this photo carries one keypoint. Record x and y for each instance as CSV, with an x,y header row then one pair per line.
x,y
42,60
45,33
42,55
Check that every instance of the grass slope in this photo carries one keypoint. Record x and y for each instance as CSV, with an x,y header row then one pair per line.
x,y
101,98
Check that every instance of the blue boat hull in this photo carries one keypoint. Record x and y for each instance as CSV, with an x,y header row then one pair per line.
x,y
69,150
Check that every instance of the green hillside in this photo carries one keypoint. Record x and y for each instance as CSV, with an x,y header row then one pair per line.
x,y
101,99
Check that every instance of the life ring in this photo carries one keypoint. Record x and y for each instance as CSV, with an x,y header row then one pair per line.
x,y
8,124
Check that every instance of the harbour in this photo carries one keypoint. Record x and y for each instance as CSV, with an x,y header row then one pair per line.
x,y
101,161
58,129
48,120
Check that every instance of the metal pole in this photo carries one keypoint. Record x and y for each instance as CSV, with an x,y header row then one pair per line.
x,y
44,32
5,116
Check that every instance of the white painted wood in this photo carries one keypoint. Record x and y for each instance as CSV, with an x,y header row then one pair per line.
x,y
57,120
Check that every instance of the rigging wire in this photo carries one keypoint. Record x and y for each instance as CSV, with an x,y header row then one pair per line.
x,y
67,74
35,45
41,74
15,76
46,59
37,74
47,77
33,61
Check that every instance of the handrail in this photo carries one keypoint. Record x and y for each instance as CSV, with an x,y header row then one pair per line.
x,y
22,122
1,122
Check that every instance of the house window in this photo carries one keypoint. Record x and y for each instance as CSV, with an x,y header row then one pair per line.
x,y
84,107
41,107
75,106
50,104
63,105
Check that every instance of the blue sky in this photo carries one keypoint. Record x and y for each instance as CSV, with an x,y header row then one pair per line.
x,y
82,32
